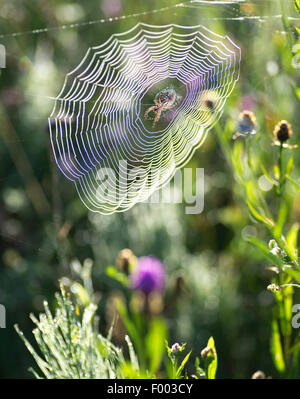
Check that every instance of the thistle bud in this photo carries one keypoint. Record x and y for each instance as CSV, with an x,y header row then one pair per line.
x,y
246,123
283,131
126,260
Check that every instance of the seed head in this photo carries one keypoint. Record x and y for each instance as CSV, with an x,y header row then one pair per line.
x,y
283,131
246,123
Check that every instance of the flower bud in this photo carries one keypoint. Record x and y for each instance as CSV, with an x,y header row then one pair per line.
x,y
126,260
176,348
273,287
258,375
283,131
206,351
246,124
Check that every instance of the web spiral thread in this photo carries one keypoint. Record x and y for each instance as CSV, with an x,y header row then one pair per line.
x,y
100,137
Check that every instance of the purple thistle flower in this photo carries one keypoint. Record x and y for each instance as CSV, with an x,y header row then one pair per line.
x,y
149,276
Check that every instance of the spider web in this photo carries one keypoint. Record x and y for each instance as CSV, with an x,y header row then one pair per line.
x,y
208,13
99,135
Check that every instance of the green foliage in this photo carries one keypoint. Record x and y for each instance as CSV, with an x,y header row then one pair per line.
x,y
274,213
131,327
112,272
148,336
175,368
211,360
70,345
276,348
155,343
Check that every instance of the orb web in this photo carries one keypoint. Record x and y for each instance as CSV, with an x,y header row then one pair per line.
x,y
105,131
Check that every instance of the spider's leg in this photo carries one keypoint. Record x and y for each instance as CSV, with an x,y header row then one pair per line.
x,y
157,116
148,111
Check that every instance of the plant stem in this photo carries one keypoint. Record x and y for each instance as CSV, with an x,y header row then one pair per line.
x,y
280,169
286,24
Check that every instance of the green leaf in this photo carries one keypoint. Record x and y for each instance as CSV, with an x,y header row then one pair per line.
x,y
276,171
284,299
81,293
295,347
183,363
199,370
211,360
266,174
287,305
133,358
281,219
264,249
295,184
297,89
293,273
291,242
237,159
276,348
155,343
257,216
130,326
112,272
290,165
297,5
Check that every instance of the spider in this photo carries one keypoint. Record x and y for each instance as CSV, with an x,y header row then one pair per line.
x,y
164,100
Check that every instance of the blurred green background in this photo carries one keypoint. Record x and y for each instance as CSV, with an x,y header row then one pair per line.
x,y
43,224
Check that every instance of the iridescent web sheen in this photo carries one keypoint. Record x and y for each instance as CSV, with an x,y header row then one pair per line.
x,y
100,137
